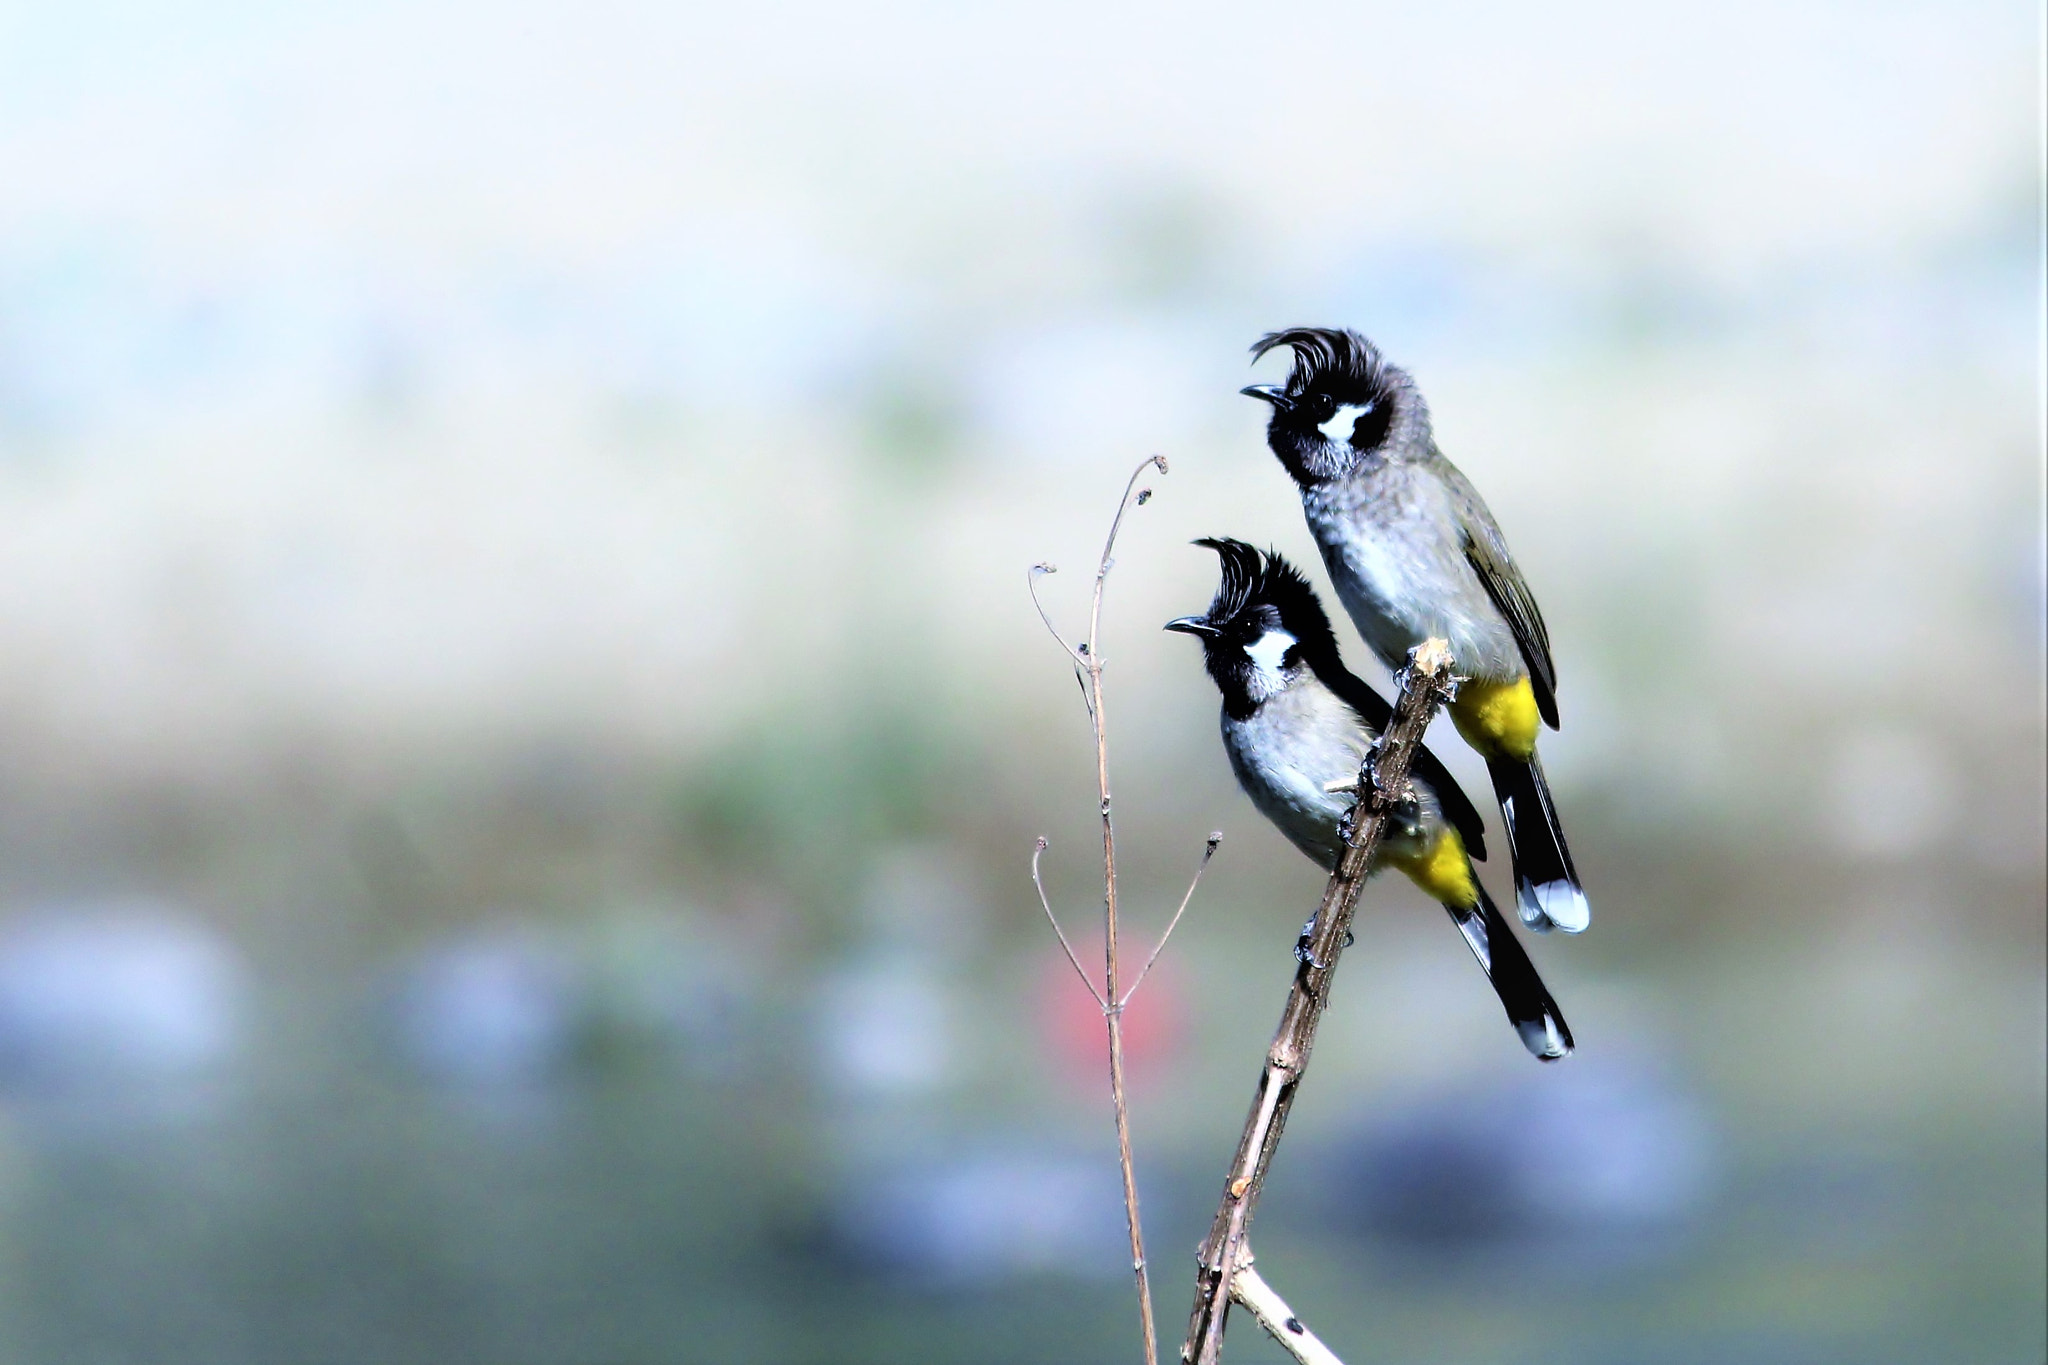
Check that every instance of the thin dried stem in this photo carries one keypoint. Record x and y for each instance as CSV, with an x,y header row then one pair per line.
x,y
1037,852
1088,661
1115,1013
1208,852
1109,544
1031,584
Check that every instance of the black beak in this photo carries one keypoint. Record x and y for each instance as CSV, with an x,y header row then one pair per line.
x,y
1272,393
1193,625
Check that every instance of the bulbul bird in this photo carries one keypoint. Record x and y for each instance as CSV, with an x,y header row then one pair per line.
x,y
1414,553
1297,725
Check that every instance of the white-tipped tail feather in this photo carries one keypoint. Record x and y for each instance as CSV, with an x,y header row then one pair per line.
x,y
1542,1039
1553,905
1547,891
1529,1007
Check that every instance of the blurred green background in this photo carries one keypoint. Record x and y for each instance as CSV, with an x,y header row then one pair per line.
x,y
521,728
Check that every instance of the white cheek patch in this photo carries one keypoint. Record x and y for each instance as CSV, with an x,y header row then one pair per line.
x,y
1267,651
1338,428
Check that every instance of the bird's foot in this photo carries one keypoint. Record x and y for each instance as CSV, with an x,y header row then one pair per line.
x,y
1304,946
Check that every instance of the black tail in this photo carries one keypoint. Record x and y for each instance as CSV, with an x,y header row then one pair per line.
x,y
1534,1014
1547,890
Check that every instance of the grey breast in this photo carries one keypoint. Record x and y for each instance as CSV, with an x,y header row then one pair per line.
x,y
1391,539
1288,752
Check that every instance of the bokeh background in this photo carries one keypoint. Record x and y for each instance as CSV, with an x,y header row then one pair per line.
x,y
521,728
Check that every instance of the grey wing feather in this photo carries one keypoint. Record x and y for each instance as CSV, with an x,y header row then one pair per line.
x,y
1487,552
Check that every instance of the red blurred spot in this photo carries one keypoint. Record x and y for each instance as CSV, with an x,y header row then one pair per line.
x,y
1077,1035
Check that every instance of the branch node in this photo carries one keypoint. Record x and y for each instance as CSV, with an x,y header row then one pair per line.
x,y
1273,1314
1432,656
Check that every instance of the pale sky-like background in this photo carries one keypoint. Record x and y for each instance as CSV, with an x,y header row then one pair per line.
x,y
460,366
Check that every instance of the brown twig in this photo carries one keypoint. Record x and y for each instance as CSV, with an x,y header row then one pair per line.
x,y
1208,852
1424,683
1088,662
1031,583
1037,852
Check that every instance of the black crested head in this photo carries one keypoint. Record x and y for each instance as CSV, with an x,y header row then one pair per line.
x,y
1258,596
1343,402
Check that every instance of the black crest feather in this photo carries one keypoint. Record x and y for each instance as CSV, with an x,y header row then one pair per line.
x,y
1241,573
1251,578
1333,360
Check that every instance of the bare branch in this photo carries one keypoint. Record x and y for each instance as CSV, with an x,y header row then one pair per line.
x,y
1038,851
1031,583
1087,659
1109,544
1208,852
1381,781
1114,1014
1276,1317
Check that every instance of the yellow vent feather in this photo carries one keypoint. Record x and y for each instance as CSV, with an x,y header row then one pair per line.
x,y
1499,719
1442,870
